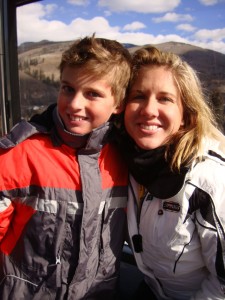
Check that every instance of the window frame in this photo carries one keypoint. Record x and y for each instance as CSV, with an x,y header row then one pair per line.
x,y
10,106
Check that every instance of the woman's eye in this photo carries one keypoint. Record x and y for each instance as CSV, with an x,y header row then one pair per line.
x,y
136,97
166,99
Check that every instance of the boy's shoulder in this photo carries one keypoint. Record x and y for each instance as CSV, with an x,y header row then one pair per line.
x,y
19,133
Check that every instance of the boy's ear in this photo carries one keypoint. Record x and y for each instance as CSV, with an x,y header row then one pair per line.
x,y
118,109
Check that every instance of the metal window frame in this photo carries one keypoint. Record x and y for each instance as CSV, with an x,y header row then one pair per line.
x,y
10,106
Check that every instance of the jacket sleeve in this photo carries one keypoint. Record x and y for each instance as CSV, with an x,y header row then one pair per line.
x,y
6,213
210,222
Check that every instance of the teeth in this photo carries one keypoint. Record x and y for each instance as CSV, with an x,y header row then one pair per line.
x,y
150,127
76,118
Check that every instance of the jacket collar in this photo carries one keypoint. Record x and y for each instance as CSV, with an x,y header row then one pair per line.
x,y
150,168
85,144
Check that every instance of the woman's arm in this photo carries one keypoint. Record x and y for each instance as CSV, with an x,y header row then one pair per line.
x,y
210,222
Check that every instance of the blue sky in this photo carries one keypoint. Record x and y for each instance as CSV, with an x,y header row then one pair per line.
x,y
139,22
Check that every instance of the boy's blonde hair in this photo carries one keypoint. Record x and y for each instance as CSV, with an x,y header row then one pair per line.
x,y
185,145
101,57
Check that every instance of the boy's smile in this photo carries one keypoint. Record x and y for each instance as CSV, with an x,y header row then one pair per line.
x,y
84,102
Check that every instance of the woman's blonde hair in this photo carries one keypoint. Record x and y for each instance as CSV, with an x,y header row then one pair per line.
x,y
101,57
184,145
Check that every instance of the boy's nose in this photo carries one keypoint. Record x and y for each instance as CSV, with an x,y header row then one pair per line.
x,y
77,101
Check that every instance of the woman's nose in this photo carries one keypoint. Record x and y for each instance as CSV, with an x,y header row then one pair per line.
x,y
150,107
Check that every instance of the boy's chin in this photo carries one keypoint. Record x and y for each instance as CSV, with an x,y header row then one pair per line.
x,y
78,131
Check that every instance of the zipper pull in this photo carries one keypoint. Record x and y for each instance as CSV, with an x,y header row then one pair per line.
x,y
137,242
58,260
58,271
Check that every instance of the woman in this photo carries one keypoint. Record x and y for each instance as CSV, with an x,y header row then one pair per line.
x,y
176,209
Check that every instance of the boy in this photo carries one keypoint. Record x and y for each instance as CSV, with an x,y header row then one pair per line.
x,y
63,189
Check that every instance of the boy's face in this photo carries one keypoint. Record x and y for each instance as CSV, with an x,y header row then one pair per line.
x,y
84,103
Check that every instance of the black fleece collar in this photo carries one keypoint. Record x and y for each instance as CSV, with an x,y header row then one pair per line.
x,y
150,169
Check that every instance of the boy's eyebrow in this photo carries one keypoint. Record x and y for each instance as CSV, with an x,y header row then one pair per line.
x,y
92,88
65,81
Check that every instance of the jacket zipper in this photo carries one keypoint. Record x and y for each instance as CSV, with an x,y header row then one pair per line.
x,y
58,271
137,238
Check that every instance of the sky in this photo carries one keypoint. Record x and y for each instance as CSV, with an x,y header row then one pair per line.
x,y
139,22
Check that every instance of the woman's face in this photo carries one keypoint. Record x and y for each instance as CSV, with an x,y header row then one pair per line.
x,y
154,109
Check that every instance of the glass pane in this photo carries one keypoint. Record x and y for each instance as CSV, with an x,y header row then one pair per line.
x,y
46,28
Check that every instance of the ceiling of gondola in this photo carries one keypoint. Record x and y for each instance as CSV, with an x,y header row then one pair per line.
x,y
23,2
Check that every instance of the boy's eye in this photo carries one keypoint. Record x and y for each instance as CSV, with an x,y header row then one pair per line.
x,y
93,94
67,89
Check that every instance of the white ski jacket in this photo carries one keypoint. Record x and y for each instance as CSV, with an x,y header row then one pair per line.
x,y
183,237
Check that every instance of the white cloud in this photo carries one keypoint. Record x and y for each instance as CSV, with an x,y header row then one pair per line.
x,y
134,26
78,2
217,35
140,6
107,13
208,2
34,10
173,17
212,45
99,25
33,27
49,8
40,28
140,38
211,2
186,27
